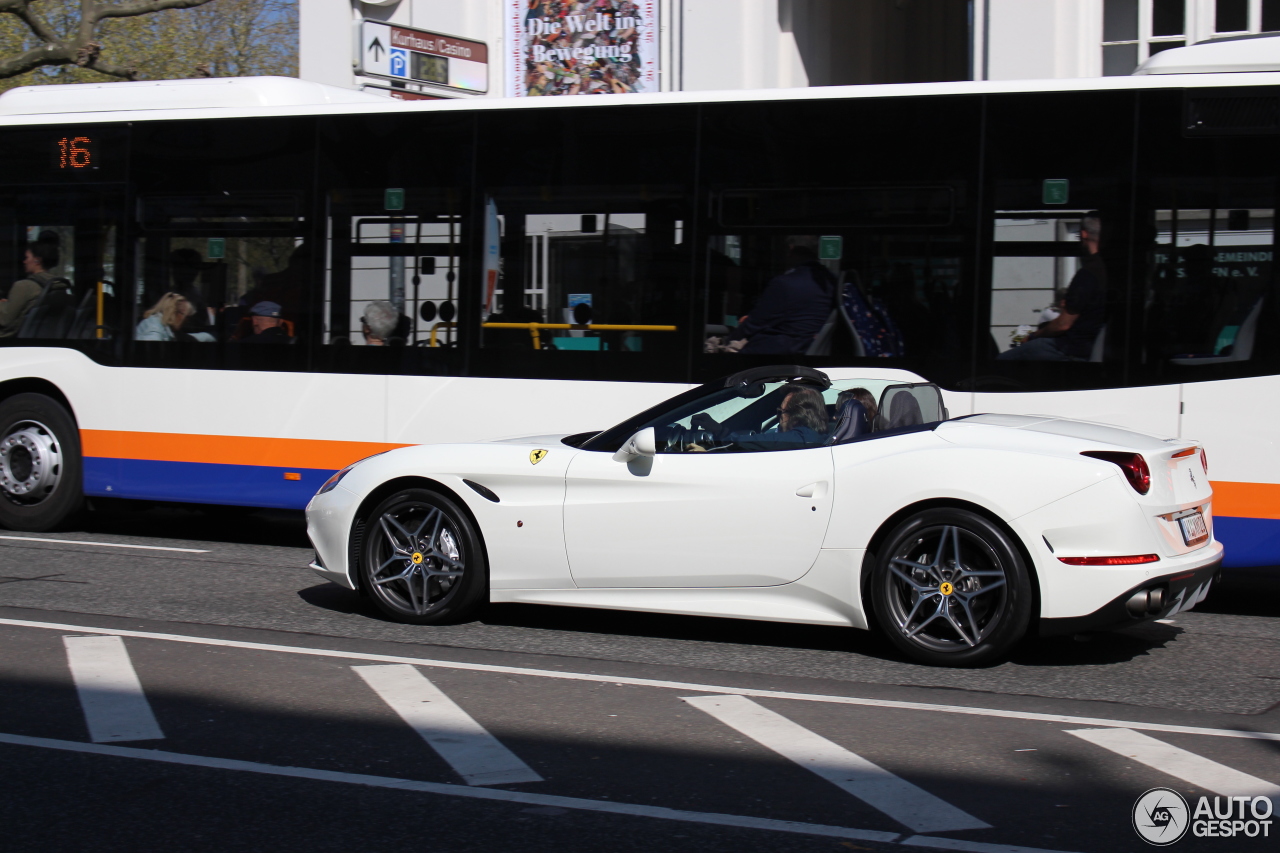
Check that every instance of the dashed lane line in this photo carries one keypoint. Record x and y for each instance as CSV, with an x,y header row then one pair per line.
x,y
111,696
650,682
519,797
904,802
477,756
1196,770
107,544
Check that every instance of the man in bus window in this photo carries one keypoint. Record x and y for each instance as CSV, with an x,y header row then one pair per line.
x,y
379,323
268,327
40,257
794,305
1070,335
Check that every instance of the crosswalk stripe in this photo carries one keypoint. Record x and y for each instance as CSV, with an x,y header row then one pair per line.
x,y
115,708
1179,763
477,756
875,786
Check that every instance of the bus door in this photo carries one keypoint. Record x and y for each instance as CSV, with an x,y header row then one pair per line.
x,y
60,252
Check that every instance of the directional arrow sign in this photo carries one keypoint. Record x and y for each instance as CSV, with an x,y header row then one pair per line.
x,y
374,59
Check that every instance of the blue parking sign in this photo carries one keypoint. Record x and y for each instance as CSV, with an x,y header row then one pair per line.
x,y
399,63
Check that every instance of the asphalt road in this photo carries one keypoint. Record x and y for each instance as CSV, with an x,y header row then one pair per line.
x,y
271,710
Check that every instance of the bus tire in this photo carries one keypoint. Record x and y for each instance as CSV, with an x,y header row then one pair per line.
x,y
422,561
950,588
41,470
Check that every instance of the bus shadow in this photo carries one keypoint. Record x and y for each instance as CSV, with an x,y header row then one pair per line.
x,y
237,525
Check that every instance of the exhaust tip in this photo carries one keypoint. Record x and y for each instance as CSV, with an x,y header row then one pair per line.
x,y
1155,600
1137,603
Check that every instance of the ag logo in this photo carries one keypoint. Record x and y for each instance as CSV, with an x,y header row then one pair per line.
x,y
1160,816
536,456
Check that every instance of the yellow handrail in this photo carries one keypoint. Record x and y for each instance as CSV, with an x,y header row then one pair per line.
x,y
100,310
535,329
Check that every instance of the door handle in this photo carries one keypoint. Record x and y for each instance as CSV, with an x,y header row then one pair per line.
x,y
813,490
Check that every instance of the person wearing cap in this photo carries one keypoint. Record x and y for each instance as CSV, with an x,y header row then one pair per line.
x,y
268,326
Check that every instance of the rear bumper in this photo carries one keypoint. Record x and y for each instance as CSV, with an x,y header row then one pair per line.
x,y
1165,596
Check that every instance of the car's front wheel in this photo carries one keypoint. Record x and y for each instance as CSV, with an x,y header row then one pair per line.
x,y
950,588
421,561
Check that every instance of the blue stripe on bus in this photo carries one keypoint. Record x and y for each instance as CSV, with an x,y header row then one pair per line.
x,y
201,482
1248,541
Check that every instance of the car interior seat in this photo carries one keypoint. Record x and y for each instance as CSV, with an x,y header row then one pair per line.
x,y
851,422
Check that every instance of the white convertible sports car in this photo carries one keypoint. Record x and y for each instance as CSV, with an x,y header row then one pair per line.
x,y
777,494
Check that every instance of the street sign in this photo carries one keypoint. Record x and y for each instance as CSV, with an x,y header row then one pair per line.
x,y
401,53
830,248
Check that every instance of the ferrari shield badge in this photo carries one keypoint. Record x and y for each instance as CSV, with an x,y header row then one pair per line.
x,y
535,456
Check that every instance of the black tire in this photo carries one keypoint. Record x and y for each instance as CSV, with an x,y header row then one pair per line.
x,y
421,560
41,471
950,588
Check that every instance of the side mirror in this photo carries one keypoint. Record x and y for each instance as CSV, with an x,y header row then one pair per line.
x,y
643,443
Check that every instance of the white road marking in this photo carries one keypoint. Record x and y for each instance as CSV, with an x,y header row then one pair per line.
x,y
1179,763
477,756
650,682
498,794
968,846
106,544
111,696
899,799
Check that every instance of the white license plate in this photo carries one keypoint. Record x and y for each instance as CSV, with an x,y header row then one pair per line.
x,y
1193,528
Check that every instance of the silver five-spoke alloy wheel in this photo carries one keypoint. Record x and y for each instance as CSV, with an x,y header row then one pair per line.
x,y
952,588
422,561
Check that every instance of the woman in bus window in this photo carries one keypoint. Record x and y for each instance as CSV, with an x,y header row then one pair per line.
x,y
162,321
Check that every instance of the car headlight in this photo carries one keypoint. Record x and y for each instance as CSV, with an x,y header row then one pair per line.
x,y
333,481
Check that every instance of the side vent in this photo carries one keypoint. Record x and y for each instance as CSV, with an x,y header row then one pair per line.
x,y
483,491
1232,113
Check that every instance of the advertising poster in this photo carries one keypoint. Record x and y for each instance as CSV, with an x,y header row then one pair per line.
x,y
582,47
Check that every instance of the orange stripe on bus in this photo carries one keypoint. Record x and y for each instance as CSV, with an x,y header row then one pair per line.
x,y
1246,500
227,449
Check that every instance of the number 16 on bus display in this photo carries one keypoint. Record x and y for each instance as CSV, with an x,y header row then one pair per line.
x,y
74,152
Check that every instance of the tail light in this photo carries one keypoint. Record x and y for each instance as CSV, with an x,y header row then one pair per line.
x,y
1204,462
1132,464
1135,560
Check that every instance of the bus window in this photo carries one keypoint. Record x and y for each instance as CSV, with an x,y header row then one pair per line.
x,y
1210,276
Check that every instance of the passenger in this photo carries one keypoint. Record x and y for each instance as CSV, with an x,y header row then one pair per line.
x,y
1070,335
41,256
379,323
794,305
163,321
863,396
268,326
185,266
855,414
802,422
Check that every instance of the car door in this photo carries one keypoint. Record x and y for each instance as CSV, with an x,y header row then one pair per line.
x,y
696,519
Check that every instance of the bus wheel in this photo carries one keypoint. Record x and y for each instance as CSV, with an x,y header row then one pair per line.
x,y
422,561
951,589
41,484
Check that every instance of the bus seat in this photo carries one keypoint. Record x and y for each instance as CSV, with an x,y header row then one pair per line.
x,y
52,314
1099,345
1241,347
822,341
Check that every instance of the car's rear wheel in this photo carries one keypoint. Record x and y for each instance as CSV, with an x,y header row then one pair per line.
x,y
950,588
422,561
41,485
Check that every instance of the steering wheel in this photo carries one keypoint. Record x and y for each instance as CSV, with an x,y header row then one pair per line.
x,y
681,439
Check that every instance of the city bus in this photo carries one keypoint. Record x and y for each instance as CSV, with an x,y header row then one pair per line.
x,y
555,266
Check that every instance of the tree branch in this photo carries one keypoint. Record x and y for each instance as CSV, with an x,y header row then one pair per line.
x,y
48,54
139,7
21,9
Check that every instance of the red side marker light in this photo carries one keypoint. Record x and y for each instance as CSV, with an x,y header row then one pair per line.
x,y
1135,560
1134,467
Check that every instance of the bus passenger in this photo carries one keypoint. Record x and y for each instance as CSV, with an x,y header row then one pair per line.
x,y
1070,335
794,305
41,256
162,321
379,323
268,326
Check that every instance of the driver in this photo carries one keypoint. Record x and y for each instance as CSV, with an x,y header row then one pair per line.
x,y
802,422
